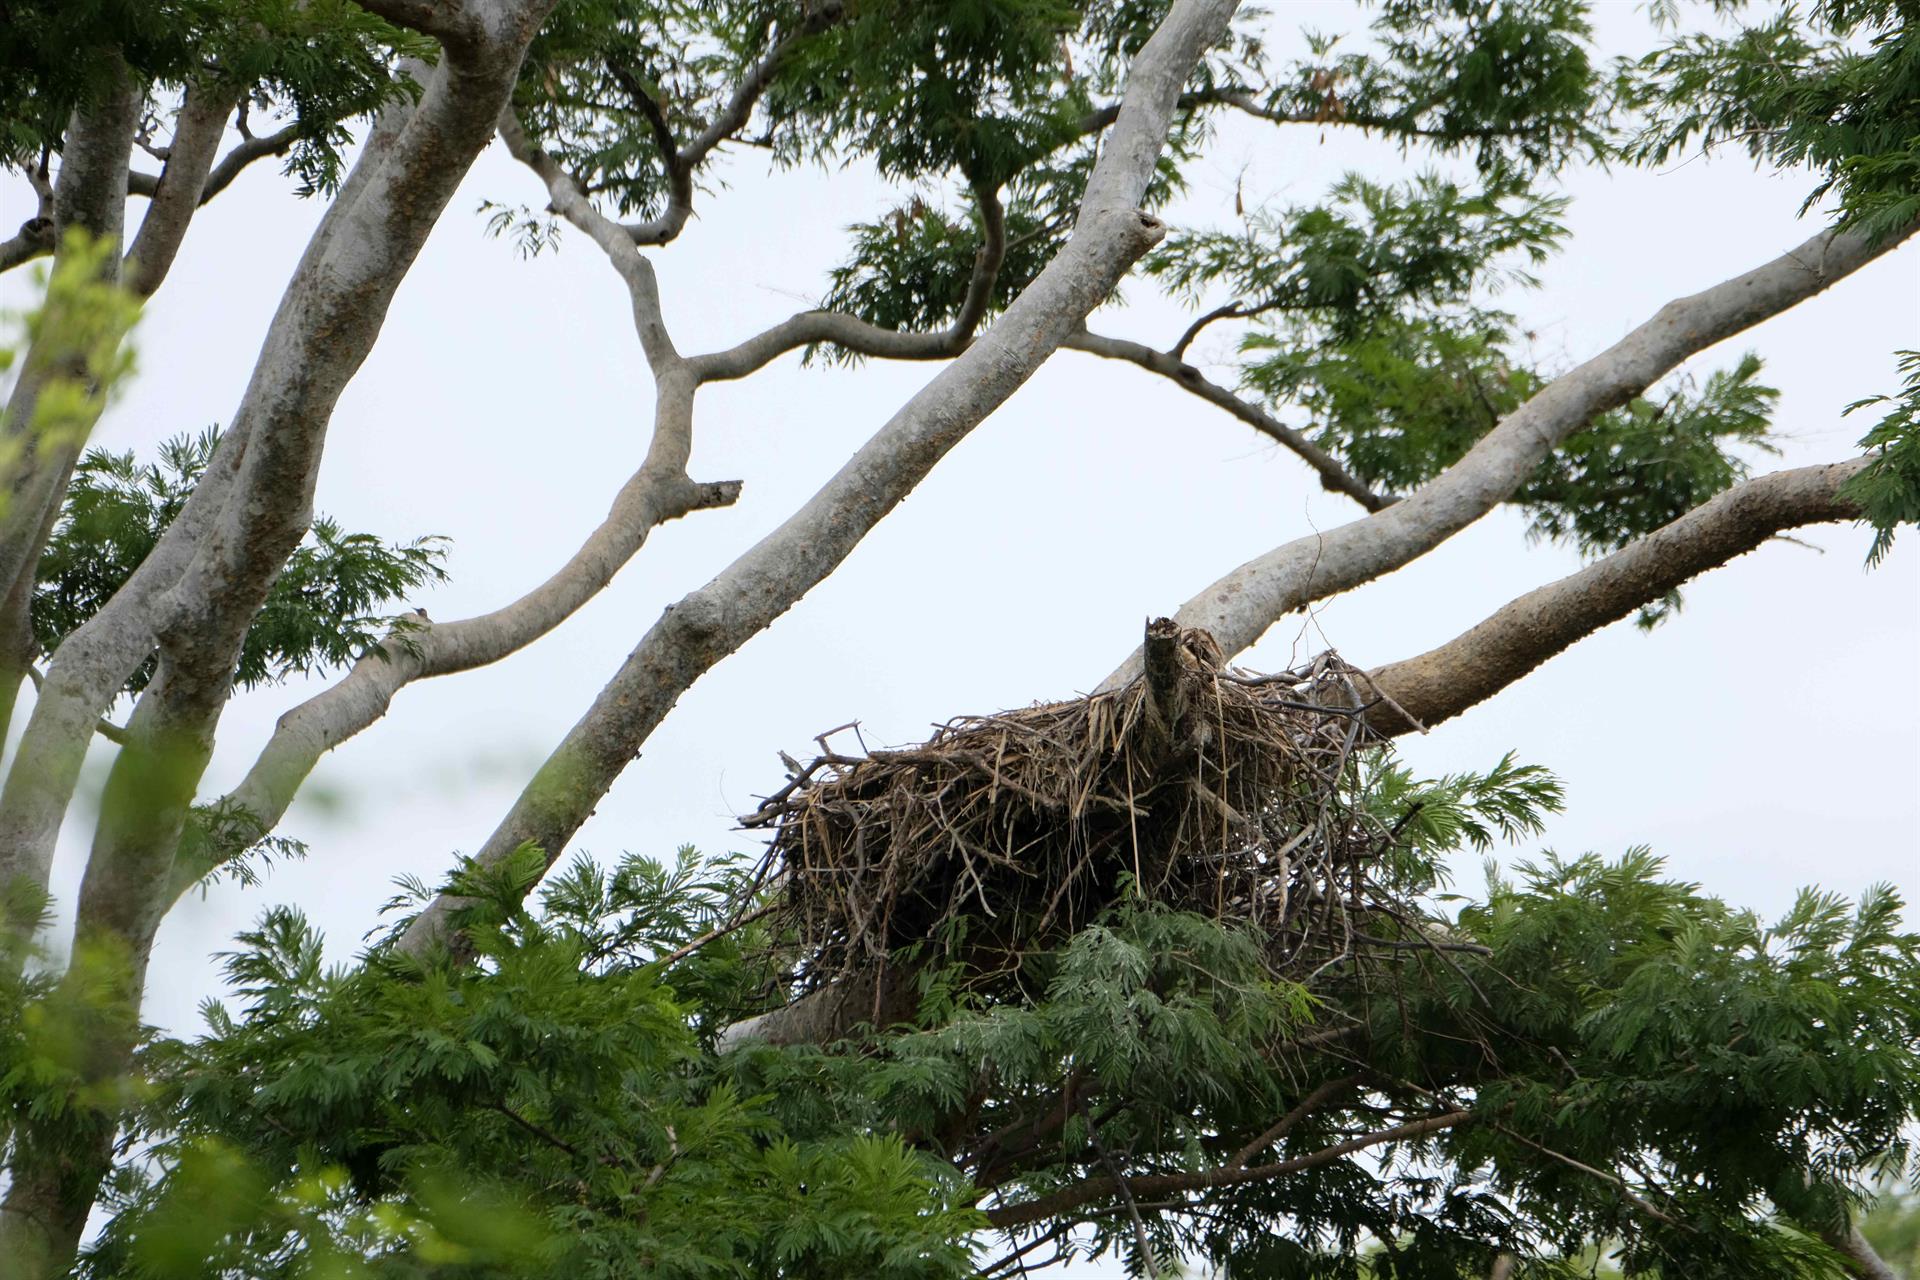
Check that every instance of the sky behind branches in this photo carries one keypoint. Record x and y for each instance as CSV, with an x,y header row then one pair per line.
x,y
1766,738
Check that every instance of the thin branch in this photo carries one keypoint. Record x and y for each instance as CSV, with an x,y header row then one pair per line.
x,y
1067,1199
748,595
1334,477
1286,1123
832,328
1228,311
683,163
35,239
244,153
1614,1180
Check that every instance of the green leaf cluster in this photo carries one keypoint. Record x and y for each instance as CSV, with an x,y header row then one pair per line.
x,y
548,1108
1888,490
1827,86
324,610
323,62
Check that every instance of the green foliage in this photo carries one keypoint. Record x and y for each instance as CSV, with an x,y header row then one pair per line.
x,y
1828,87
544,1110
1625,1059
1404,399
323,610
76,344
324,62
1513,82
1888,489
1372,252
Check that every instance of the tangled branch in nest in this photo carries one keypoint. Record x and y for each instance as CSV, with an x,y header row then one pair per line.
x,y
1205,788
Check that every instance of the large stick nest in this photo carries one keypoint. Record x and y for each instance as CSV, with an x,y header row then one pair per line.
x,y
1206,788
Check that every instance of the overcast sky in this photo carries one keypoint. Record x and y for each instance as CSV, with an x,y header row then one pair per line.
x,y
1763,740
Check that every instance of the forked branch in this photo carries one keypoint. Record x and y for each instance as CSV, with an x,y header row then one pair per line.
x,y
1238,608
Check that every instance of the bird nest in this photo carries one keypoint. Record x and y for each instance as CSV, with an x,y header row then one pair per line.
x,y
1195,785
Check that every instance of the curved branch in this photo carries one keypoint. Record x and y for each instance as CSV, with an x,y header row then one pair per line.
x,y
1471,668
1231,1174
810,328
770,578
244,153
197,590
35,239
1334,477
180,188
682,162
1238,608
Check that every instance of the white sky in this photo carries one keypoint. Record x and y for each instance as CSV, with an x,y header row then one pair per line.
x,y
1765,739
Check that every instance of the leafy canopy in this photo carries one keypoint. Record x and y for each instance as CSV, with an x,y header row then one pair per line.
x,y
1625,1060
325,608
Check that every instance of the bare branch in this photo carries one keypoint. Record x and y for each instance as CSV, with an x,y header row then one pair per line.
x,y
35,239
767,580
1238,608
1228,311
1468,670
1313,1102
855,335
1067,1199
180,188
683,163
1334,477
244,153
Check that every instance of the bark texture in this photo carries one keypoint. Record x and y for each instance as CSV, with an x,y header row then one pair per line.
x,y
195,595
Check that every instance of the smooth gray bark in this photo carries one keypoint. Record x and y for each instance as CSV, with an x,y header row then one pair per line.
x,y
1437,685
195,592
195,595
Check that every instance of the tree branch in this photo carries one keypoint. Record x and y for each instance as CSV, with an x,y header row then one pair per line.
x,y
180,188
244,153
1319,1098
850,333
196,592
683,163
1471,668
1238,608
35,239
767,580
1067,1199
452,22
1334,477
1862,1260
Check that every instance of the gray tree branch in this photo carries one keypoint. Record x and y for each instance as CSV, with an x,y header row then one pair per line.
x,y
195,593
1238,608
767,580
1443,682
180,189
1334,477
